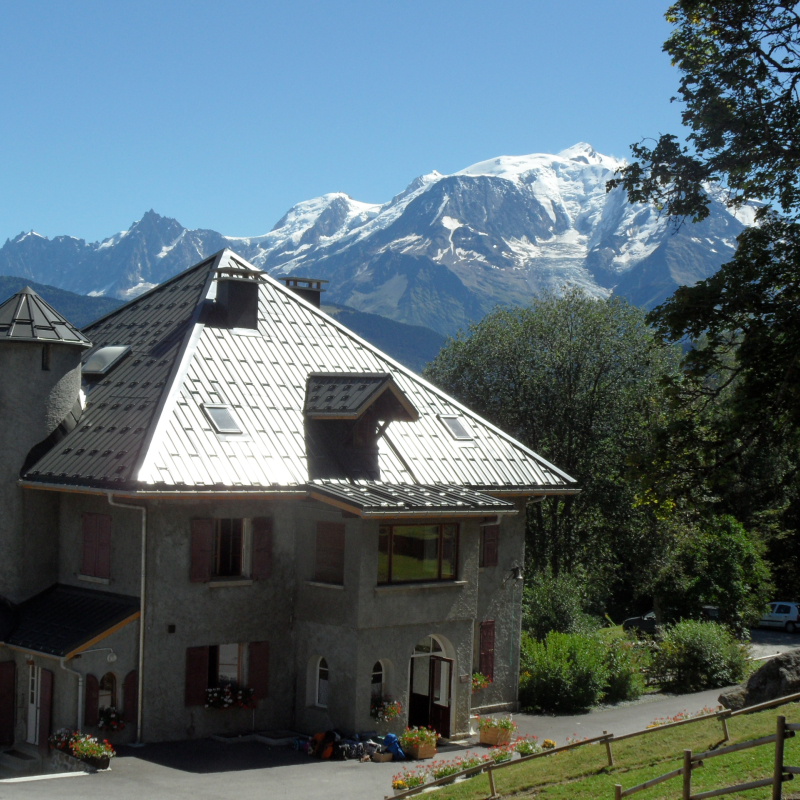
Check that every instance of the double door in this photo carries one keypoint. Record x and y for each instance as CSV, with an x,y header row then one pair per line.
x,y
431,693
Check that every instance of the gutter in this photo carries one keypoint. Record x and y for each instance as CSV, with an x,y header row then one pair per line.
x,y
142,587
62,662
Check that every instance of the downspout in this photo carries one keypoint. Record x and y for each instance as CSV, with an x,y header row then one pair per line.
x,y
62,661
140,676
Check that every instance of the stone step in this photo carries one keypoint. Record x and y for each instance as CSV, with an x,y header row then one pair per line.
x,y
20,760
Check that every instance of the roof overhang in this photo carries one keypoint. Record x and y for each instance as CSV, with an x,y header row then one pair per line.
x,y
348,395
374,500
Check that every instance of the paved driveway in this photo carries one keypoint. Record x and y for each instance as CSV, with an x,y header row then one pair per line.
x,y
207,770
765,642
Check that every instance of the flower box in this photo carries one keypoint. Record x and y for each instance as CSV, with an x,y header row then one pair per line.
x,y
495,736
380,758
421,751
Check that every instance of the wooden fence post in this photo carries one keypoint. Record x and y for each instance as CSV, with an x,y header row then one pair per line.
x,y
777,777
617,792
687,775
723,718
490,773
608,750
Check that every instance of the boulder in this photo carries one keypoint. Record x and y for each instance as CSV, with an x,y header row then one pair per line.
x,y
780,676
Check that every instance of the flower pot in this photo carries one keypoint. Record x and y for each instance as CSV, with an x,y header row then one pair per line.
x,y
421,751
99,762
495,736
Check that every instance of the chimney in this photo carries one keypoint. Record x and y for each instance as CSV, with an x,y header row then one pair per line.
x,y
309,289
237,297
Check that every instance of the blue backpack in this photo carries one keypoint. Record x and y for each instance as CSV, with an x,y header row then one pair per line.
x,y
393,746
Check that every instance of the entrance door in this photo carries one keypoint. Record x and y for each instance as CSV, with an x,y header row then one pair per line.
x,y
441,671
8,678
34,701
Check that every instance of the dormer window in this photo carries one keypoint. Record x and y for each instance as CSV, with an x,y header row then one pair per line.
x,y
456,427
103,359
222,419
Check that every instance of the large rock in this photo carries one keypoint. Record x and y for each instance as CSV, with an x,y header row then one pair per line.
x,y
780,676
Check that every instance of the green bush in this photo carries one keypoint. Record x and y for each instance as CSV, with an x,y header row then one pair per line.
x,y
694,655
556,603
625,663
565,672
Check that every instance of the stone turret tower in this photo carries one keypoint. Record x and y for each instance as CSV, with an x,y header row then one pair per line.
x,y
40,382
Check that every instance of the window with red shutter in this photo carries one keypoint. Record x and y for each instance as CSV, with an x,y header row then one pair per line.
x,y
330,553
258,673
202,542
490,536
96,554
8,677
196,675
262,548
487,649
91,703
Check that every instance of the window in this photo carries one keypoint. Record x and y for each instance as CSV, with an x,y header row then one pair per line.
x,y
486,654
224,665
457,428
221,664
376,688
104,358
228,548
490,535
409,553
322,683
107,691
329,567
222,418
96,549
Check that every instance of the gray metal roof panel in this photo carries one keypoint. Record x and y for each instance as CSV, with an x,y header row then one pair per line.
x,y
25,317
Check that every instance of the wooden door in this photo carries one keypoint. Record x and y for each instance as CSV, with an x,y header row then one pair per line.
x,y
8,678
440,693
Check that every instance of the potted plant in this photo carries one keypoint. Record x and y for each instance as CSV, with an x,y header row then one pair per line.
x,y
384,709
496,730
479,681
230,696
418,743
83,747
407,779
110,720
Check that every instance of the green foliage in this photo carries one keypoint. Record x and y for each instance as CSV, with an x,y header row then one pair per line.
x,y
556,603
694,655
625,663
566,672
579,381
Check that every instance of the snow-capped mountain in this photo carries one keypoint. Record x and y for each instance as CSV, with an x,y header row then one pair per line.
x,y
439,254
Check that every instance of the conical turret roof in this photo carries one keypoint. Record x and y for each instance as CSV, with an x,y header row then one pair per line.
x,y
25,317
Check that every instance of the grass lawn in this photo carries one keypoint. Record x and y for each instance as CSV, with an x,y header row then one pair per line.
x,y
582,773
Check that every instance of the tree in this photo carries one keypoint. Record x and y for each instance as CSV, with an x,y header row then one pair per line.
x,y
579,381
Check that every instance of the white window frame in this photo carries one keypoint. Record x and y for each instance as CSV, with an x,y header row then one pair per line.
x,y
462,421
318,680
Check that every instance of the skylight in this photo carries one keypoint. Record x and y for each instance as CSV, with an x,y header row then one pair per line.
x,y
221,417
104,358
457,428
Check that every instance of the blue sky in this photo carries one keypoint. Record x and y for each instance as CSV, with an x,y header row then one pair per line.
x,y
225,114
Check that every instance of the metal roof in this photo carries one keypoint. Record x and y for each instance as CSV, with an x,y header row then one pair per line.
x,y
144,427
377,499
347,395
63,619
25,317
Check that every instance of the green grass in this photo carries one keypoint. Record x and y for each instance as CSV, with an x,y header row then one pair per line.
x,y
582,773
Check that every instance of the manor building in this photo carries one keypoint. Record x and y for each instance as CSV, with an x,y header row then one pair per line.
x,y
219,484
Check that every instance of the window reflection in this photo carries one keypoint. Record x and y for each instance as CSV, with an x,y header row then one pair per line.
x,y
408,553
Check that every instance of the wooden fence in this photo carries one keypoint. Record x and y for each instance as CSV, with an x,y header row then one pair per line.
x,y
691,761
609,738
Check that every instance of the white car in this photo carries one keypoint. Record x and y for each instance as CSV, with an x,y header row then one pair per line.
x,y
782,615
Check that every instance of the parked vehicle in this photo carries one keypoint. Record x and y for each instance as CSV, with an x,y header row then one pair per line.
x,y
782,615
644,624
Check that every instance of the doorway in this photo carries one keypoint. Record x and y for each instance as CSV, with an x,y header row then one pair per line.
x,y
34,703
431,687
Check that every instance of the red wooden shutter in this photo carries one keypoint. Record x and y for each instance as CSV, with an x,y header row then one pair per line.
x,y
330,552
89,544
202,541
8,679
130,698
45,710
487,648
91,701
262,548
259,669
196,675
491,536
103,562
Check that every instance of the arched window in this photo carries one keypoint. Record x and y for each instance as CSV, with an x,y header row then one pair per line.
x,y
322,683
376,691
107,694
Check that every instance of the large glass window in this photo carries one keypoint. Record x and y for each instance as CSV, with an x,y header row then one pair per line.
x,y
417,553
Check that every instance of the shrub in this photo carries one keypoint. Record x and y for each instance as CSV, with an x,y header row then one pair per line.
x,y
565,672
694,655
556,603
624,663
